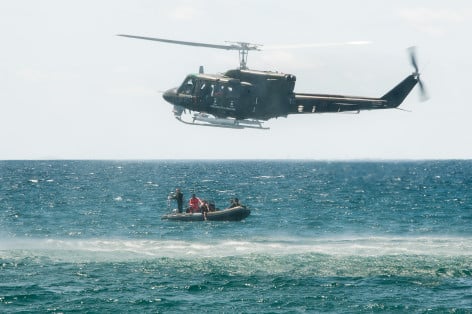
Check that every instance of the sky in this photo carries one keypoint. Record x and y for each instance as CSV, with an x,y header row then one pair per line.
x,y
71,89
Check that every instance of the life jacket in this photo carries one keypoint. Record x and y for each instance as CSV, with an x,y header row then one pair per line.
x,y
195,204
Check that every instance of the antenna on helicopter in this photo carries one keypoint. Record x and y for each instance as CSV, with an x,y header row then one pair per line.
x,y
242,47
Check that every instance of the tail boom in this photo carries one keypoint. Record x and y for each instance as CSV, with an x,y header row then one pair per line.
x,y
320,103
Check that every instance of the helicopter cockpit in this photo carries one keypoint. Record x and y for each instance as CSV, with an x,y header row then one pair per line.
x,y
188,86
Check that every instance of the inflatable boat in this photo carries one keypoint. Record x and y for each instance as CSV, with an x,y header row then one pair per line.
x,y
228,214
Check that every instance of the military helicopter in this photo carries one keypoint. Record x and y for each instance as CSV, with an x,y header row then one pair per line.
x,y
244,98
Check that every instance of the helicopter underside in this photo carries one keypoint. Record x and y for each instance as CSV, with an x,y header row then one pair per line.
x,y
204,119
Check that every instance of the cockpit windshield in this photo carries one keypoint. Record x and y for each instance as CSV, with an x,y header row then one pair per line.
x,y
188,86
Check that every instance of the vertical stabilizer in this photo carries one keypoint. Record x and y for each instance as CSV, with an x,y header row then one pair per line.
x,y
397,94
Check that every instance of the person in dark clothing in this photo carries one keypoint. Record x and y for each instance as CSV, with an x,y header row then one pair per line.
x,y
235,203
179,197
205,208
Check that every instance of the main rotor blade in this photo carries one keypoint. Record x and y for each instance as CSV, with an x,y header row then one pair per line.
x,y
187,43
309,45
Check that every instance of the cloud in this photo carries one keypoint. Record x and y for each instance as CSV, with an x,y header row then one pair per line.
x,y
435,22
133,91
43,74
319,45
33,75
185,13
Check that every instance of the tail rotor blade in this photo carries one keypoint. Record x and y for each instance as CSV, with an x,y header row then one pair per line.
x,y
413,58
424,93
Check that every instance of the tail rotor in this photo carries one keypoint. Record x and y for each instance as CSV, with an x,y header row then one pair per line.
x,y
414,63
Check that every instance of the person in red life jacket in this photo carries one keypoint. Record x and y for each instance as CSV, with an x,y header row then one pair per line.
x,y
194,204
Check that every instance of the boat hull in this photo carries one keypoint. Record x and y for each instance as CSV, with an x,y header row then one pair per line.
x,y
229,214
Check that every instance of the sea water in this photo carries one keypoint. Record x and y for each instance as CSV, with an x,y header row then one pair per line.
x,y
86,236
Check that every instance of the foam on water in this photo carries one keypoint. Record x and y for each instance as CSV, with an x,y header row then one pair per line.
x,y
126,249
425,261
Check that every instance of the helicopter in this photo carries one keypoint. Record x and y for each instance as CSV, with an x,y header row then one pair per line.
x,y
244,98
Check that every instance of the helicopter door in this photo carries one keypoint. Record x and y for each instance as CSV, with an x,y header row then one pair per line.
x,y
226,96
204,93
219,96
233,92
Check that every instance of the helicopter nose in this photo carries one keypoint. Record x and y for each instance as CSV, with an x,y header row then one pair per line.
x,y
169,95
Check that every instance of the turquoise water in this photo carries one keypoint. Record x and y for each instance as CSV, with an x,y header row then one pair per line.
x,y
86,236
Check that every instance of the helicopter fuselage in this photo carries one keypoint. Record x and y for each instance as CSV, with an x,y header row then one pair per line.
x,y
261,95
238,94
242,98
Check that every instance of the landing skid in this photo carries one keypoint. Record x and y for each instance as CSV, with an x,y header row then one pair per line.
x,y
203,119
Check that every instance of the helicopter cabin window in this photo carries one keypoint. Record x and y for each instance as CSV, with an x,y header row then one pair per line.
x,y
226,90
205,88
220,91
188,86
